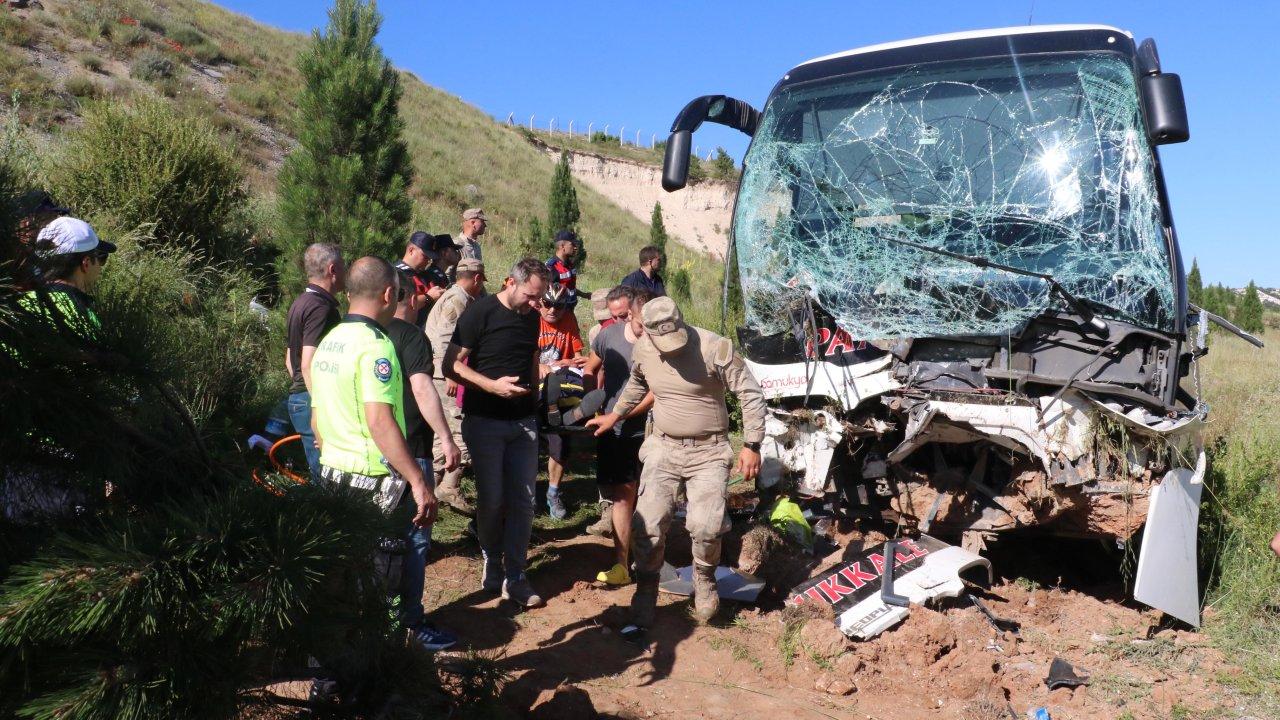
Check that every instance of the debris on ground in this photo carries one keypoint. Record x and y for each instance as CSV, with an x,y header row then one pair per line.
x,y
730,584
922,570
1063,674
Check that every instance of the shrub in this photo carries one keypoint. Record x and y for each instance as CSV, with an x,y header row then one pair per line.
x,y
128,36
255,101
152,66
82,86
91,62
723,167
16,31
206,52
126,167
187,35
602,139
680,286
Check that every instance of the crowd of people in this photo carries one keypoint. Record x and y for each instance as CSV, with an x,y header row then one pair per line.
x,y
430,376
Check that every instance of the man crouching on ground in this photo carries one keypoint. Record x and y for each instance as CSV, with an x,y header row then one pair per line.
x,y
494,352
689,370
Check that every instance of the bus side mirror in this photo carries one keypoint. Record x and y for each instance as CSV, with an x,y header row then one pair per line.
x,y
1164,108
720,109
675,163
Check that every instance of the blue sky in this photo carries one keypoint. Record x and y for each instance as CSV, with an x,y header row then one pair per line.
x,y
636,64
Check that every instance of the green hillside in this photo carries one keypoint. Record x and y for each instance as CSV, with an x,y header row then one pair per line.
x,y
241,74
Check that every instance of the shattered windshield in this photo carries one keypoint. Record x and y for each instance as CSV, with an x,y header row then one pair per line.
x,y
1035,163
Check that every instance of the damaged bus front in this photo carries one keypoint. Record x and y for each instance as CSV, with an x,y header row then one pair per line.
x,y
962,290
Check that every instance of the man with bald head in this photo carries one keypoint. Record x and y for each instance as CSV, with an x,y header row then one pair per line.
x,y
311,315
357,397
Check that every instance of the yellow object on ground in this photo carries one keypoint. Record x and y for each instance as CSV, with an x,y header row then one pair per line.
x,y
616,575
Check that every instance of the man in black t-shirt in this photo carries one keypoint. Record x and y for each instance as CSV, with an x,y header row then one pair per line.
x,y
422,415
494,353
311,315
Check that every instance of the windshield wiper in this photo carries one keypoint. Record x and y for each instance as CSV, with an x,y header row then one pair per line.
x,y
1090,321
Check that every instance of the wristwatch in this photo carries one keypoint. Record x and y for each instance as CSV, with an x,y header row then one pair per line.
x,y
752,446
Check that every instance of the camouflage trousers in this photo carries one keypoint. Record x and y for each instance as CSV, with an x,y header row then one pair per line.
x,y
701,466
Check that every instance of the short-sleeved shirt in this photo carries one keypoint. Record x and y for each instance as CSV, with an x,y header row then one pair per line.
x,y
441,322
639,280
614,350
502,344
559,341
354,364
424,280
566,276
313,314
414,353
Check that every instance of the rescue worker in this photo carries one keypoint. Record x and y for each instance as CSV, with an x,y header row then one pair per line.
x,y
312,314
618,451
494,352
689,370
564,266
441,322
357,396
426,257
473,226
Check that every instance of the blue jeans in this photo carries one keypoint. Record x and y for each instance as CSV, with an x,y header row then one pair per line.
x,y
413,572
300,414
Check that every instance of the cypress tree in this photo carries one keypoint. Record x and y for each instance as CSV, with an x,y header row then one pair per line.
x,y
347,181
1195,286
562,203
680,286
562,207
1248,313
722,166
657,229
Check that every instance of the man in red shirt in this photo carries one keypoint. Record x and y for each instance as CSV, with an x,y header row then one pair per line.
x,y
564,266
559,346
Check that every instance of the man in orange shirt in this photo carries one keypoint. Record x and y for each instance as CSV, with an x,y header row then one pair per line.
x,y
559,346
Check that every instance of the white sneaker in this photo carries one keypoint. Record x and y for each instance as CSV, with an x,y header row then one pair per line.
x,y
521,593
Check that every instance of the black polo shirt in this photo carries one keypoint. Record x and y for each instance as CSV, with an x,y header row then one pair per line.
x,y
311,315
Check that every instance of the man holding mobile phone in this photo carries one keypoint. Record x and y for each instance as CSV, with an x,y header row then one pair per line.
x,y
494,353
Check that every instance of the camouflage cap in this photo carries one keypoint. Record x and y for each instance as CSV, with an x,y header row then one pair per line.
x,y
664,325
470,265
473,214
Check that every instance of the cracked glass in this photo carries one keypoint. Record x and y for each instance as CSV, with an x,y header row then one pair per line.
x,y
1036,163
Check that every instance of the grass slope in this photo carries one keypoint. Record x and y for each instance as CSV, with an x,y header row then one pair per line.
x,y
58,58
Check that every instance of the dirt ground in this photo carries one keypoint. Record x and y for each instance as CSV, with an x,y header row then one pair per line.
x,y
764,662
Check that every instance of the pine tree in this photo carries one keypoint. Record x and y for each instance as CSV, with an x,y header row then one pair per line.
x,y
657,229
1248,313
1195,286
535,243
722,166
347,181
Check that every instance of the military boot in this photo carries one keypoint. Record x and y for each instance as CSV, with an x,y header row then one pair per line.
x,y
644,604
706,598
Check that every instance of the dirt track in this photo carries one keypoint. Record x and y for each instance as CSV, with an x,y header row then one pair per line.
x,y
945,664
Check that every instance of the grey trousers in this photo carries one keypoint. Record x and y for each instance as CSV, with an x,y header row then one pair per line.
x,y
504,459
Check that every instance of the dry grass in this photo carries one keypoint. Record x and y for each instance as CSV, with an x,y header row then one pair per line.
x,y
1241,510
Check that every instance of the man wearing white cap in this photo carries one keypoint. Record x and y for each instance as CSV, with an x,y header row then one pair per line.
x,y
71,258
689,370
